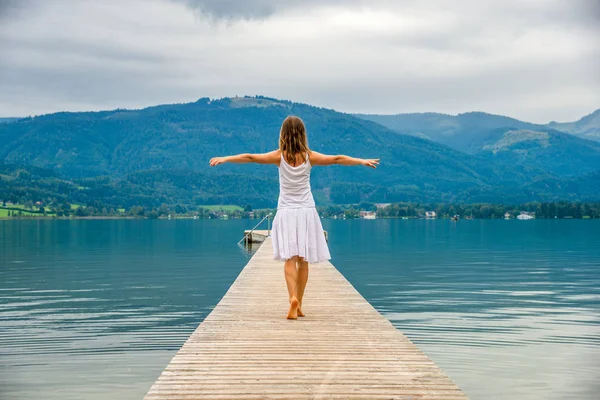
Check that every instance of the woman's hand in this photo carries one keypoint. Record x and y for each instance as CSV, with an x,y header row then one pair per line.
x,y
217,160
373,162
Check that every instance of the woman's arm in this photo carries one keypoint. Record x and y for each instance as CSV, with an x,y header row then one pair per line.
x,y
265,158
323,159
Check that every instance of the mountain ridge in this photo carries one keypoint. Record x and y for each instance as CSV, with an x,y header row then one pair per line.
x,y
439,126
146,151
587,127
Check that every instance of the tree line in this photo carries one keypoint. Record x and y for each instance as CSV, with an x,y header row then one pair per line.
x,y
561,210
546,210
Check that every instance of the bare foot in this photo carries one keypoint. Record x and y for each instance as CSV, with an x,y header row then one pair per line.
x,y
293,312
300,313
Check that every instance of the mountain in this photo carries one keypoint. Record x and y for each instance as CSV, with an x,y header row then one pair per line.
x,y
160,155
504,139
587,127
6,120
467,132
471,131
555,152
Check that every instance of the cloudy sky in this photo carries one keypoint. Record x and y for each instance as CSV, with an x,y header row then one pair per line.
x,y
536,60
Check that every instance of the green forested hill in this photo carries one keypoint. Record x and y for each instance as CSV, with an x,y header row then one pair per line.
x,y
467,132
152,188
473,130
160,155
6,120
186,136
555,152
507,140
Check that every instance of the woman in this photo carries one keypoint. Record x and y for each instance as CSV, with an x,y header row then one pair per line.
x,y
298,237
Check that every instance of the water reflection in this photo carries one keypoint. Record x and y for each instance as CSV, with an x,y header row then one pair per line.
x,y
508,310
96,309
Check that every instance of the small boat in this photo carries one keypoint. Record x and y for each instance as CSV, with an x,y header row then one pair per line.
x,y
456,217
524,216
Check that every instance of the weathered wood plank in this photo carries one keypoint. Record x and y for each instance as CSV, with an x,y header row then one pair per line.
x,y
342,349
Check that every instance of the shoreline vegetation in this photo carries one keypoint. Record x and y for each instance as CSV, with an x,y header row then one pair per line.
x,y
556,210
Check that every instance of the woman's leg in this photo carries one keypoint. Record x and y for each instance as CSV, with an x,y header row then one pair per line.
x,y
302,279
291,279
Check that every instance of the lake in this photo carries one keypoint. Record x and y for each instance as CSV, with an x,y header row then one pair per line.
x,y
95,309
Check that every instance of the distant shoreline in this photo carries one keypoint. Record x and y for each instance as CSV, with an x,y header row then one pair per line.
x,y
129,217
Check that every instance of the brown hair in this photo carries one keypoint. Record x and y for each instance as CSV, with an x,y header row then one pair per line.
x,y
292,139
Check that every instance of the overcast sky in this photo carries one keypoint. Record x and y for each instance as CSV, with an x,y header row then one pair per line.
x,y
536,60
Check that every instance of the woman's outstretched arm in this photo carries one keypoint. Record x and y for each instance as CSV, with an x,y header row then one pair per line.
x,y
323,159
265,158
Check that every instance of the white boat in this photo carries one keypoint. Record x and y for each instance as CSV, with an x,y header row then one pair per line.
x,y
524,216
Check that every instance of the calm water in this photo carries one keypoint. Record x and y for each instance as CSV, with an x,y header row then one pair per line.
x,y
96,309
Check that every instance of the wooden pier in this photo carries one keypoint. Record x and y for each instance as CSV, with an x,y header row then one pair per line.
x,y
256,236
342,349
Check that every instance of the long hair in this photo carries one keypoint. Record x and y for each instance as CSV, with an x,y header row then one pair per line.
x,y
292,139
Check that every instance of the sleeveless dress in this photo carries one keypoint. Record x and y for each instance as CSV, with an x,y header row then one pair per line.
x,y
297,229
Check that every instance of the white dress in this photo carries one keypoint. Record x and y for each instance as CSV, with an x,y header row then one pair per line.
x,y
297,229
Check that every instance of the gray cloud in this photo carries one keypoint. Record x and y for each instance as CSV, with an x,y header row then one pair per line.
x,y
232,9
10,8
532,60
573,11
257,9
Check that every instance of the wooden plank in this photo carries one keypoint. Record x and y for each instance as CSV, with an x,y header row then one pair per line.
x,y
342,349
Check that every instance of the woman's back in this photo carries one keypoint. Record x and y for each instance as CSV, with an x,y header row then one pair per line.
x,y
294,184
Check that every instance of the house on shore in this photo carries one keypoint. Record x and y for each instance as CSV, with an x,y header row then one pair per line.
x,y
367,215
430,214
